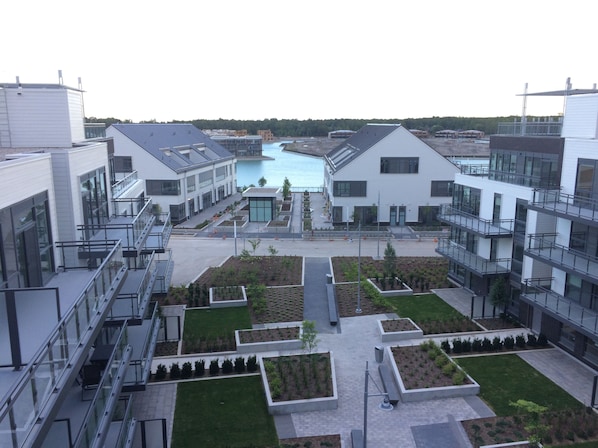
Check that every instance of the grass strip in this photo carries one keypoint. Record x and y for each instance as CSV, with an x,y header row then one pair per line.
x,y
423,307
508,378
215,323
229,412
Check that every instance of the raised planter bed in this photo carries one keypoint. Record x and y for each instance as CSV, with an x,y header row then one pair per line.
x,y
219,297
265,342
230,223
320,403
282,225
404,291
427,392
399,330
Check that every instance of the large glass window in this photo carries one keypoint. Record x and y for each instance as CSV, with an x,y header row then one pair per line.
x,y
531,169
190,184
349,188
163,187
467,199
441,188
261,209
94,198
586,185
399,165
205,178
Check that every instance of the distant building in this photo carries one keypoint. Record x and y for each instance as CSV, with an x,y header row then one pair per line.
x,y
340,134
386,164
266,134
446,133
471,133
419,133
249,146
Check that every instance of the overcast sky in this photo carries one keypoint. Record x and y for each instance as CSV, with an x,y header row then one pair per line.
x,y
243,59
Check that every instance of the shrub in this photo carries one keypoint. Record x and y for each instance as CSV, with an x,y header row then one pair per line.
x,y
496,343
187,371
200,367
227,366
466,345
520,341
252,363
457,346
175,371
240,364
441,360
486,345
160,372
214,367
531,340
458,377
542,340
509,342
445,346
476,345
448,368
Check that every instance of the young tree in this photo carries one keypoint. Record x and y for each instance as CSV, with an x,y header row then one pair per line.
x,y
499,296
390,260
255,244
309,336
262,181
286,188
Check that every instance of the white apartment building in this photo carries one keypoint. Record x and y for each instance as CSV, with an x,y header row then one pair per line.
x,y
185,171
533,220
385,165
79,261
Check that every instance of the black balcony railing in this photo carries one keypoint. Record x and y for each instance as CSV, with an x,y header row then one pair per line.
x,y
484,227
471,261
566,204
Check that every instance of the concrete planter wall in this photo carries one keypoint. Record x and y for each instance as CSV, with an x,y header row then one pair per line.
x,y
280,229
242,301
392,336
256,347
406,291
312,404
431,393
240,225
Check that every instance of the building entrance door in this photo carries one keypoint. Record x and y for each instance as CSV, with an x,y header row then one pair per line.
x,y
393,215
402,214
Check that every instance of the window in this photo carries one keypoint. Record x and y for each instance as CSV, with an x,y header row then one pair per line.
x,y
191,184
399,165
353,188
220,173
123,164
205,178
442,188
163,187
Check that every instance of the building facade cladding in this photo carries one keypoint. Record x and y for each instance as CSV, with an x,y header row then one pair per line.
x,y
548,187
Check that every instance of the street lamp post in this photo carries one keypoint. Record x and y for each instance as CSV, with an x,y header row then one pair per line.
x,y
358,310
385,405
378,220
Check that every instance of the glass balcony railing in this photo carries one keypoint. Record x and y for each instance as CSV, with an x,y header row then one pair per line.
x,y
122,185
34,392
545,128
543,247
131,224
143,339
484,227
160,234
540,294
566,204
474,170
127,426
95,130
471,261
99,414
165,267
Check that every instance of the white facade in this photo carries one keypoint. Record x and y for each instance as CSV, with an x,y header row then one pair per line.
x,y
55,111
408,190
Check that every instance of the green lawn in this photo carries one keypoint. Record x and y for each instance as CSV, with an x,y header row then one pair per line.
x,y
423,307
214,323
507,378
229,412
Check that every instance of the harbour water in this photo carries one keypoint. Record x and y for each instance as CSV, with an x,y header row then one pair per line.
x,y
301,170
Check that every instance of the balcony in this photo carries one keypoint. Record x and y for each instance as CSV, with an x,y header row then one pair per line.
x,y
543,128
566,205
538,292
159,235
131,224
135,294
543,247
483,227
474,170
95,130
471,261
142,339
74,304
124,184
165,267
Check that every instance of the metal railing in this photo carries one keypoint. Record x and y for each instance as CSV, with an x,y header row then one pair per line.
x,y
140,367
574,313
568,204
132,305
474,170
50,366
548,128
485,227
482,266
543,246
160,233
124,183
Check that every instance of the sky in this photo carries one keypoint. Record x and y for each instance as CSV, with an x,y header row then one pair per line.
x,y
307,59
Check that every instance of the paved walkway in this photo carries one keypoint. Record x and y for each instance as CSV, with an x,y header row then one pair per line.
x,y
315,295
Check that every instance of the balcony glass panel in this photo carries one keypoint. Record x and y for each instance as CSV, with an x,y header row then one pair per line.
x,y
473,223
472,261
123,184
566,204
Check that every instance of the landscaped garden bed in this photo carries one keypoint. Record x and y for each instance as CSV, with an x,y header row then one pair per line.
x,y
398,329
299,383
390,287
268,339
227,296
425,372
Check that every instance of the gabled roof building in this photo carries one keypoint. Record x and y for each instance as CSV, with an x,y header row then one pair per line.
x,y
385,173
185,171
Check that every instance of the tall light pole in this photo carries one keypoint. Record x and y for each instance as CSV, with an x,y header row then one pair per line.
x,y
358,310
385,405
378,220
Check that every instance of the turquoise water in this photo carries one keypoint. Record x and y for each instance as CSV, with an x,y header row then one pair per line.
x,y
301,170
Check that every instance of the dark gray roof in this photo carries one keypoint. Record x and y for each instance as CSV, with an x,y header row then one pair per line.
x,y
569,92
167,141
358,143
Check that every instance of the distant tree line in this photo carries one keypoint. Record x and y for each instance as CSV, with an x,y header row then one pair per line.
x,y
320,128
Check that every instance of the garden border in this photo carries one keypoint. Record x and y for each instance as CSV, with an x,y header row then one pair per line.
x,y
394,336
